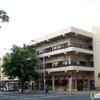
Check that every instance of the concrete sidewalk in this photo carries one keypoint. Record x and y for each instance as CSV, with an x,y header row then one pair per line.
x,y
61,92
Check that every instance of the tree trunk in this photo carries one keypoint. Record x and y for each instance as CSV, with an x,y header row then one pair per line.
x,y
22,85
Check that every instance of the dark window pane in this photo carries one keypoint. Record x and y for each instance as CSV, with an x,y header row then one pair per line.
x,y
82,62
66,45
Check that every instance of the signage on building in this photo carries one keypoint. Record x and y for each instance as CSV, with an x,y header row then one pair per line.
x,y
79,77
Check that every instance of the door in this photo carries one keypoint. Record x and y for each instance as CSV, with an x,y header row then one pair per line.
x,y
79,85
91,84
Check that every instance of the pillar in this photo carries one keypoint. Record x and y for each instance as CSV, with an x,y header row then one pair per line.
x,y
96,53
39,83
53,83
68,41
69,59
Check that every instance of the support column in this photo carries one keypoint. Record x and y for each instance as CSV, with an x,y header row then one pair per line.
x,y
53,83
69,59
68,41
70,84
39,83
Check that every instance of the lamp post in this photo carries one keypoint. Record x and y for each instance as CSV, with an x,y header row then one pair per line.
x,y
42,45
70,75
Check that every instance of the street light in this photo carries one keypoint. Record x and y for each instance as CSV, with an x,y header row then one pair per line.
x,y
42,45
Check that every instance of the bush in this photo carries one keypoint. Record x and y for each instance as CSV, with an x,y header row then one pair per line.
x,y
93,88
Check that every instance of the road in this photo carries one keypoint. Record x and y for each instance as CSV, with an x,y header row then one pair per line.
x,y
27,96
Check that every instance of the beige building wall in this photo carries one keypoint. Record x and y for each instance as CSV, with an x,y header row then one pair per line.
x,y
96,49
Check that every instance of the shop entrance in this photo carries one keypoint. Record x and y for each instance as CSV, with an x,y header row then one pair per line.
x,y
79,85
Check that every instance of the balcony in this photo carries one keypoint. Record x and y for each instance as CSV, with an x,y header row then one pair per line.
x,y
49,67
66,49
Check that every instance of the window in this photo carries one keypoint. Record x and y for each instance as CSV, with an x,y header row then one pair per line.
x,y
78,45
48,65
83,46
72,44
65,62
58,47
54,47
82,62
73,62
66,45
58,63
91,63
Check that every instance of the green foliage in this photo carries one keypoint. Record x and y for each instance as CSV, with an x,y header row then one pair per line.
x,y
21,63
93,88
98,75
3,16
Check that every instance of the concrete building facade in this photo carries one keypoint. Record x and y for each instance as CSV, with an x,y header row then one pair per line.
x,y
70,50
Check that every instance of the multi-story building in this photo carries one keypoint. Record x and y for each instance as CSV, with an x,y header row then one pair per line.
x,y
70,50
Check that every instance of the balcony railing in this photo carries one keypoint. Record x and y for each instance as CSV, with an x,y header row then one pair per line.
x,y
48,67
66,47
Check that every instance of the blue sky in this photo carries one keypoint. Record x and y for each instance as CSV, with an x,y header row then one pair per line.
x,y
31,19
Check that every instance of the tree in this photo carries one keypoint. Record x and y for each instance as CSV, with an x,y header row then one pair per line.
x,y
21,63
3,17
98,75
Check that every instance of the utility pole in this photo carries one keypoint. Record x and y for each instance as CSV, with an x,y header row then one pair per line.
x,y
70,82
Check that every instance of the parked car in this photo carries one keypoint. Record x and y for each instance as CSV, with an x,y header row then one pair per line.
x,y
4,89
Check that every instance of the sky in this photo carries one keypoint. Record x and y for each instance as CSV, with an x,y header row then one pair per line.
x,y
31,19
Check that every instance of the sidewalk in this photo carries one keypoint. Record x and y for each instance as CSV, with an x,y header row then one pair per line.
x,y
61,92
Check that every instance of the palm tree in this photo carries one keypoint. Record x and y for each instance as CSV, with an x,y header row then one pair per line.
x,y
3,17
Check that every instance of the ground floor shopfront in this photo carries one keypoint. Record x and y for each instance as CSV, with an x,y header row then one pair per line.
x,y
62,81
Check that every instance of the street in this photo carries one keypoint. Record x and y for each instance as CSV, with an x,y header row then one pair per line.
x,y
38,96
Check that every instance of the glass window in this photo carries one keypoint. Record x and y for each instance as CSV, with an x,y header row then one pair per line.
x,y
73,62
72,44
54,47
65,62
48,65
83,46
78,45
82,62
58,46
62,45
66,45
58,63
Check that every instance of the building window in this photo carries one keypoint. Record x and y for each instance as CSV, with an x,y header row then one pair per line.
x,y
83,46
83,63
78,45
48,65
91,63
72,44
66,45
58,63
47,49
73,62
65,62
